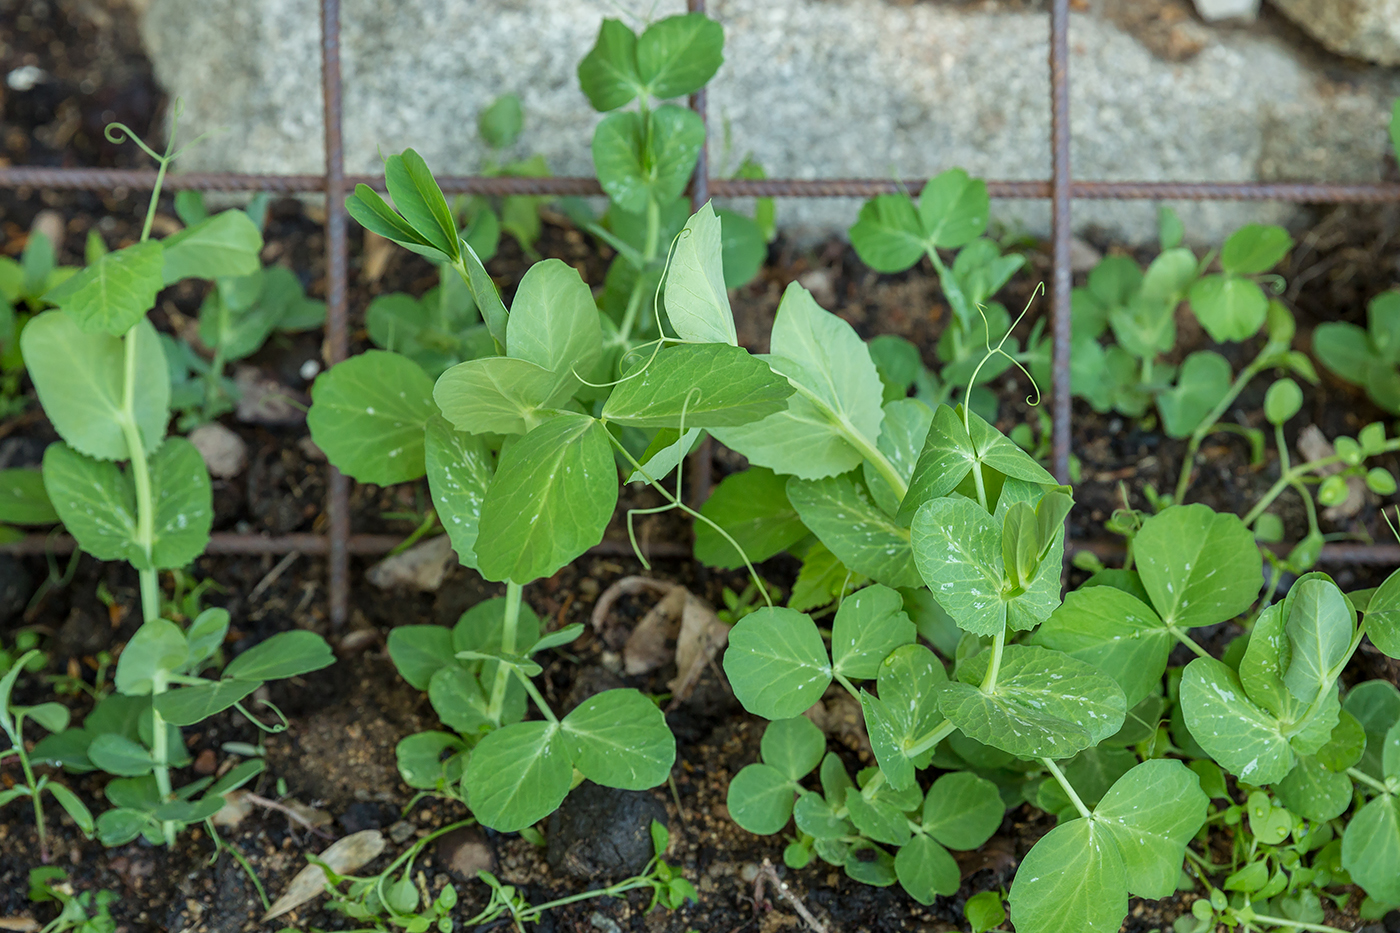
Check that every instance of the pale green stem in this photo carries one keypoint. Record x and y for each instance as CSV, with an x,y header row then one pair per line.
x,y
1208,423
860,442
535,695
989,682
1364,778
634,300
509,624
34,792
1189,642
1296,473
933,737
981,487
1069,788
1296,924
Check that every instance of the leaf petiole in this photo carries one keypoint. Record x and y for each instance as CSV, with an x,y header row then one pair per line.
x,y
1068,788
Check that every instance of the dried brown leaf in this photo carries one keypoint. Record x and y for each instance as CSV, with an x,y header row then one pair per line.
x,y
343,856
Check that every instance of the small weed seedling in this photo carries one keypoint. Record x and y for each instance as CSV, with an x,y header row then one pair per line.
x,y
100,372
1370,357
80,913
54,718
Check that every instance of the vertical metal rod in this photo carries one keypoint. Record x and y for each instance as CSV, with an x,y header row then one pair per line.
x,y
1060,221
337,274
701,475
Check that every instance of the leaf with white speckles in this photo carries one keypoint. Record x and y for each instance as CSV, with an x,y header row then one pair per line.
x,y
840,512
1116,633
619,738
1152,812
1072,879
957,549
367,414
777,662
184,503
1199,567
1241,737
460,468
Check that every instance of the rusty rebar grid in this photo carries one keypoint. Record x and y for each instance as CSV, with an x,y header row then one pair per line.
x,y
1060,189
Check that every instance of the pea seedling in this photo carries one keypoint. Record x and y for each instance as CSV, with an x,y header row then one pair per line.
x,y
23,285
100,373
1369,357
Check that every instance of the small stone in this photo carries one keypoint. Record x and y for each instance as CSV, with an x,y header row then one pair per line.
x,y
603,924
602,832
466,852
265,401
236,807
50,224
224,452
1082,256
1215,10
421,567
1365,29
402,831
206,762
820,284
748,872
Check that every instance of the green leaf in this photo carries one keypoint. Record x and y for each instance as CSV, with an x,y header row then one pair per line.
x,y
460,470
1383,616
1390,753
458,699
1345,746
1033,712
496,395
114,293
553,323
821,579
518,775
52,716
1319,629
905,711
186,706
368,414
870,864
608,73
184,505
963,810
753,508
1072,879
118,755
869,625
23,500
499,124
420,651
816,816
793,746
1152,812
74,807
1229,307
697,302
1243,738
286,654
760,799
552,496
487,298
417,197
635,166
945,461
997,451
1375,704
777,663
619,738
1114,632
705,385
841,512
1170,229
1199,567
1313,791
420,759
953,209
226,244
839,400
1204,380
679,54
1371,848
877,819
79,379
902,435
743,247
888,236
899,364
1255,248
957,551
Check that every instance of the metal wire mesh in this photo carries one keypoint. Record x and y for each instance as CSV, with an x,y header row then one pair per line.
x,y
1061,190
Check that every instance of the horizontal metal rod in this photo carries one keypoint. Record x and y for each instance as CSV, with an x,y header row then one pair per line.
x,y
224,542
94,179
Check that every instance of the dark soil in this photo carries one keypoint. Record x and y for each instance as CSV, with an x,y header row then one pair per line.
x,y
337,755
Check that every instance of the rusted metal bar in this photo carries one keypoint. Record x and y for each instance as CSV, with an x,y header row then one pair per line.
x,y
702,461
337,276
101,179
1061,237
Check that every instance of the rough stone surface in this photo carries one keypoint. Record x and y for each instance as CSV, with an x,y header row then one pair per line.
x,y
1213,10
602,832
466,852
1365,29
421,567
812,89
224,452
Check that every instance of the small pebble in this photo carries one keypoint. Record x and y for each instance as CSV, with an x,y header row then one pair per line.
x,y
749,872
206,762
402,831
606,924
224,452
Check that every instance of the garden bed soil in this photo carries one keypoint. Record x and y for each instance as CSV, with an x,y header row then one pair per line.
x,y
337,755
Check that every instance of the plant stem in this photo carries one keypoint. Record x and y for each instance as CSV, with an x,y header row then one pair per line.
x,y
1208,423
1069,789
509,623
634,300
935,735
1364,778
535,695
1296,473
989,682
1297,924
34,795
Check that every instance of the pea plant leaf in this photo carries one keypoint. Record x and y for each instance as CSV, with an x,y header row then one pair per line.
x,y
957,550
1045,704
1319,629
794,746
888,235
518,775
553,323
962,810
430,760
189,705
619,738
760,798
495,395
945,461
1116,633
184,505
1371,848
1229,307
902,434
777,662
460,468
905,711
1255,248
1375,705
697,302
712,384
1203,381
368,414
420,651
1072,879
1199,567
1314,791
608,73
841,512
157,649
953,209
926,870
1152,812
1383,616
1244,739
753,508
838,406
869,624
371,211
95,501
679,54
551,498
286,654
226,244
79,379
638,162
23,500
115,292
419,199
